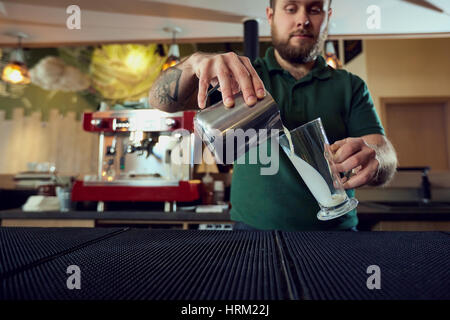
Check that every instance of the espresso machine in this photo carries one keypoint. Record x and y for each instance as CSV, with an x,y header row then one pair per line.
x,y
145,155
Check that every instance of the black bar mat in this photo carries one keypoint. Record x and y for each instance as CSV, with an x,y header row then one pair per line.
x,y
333,265
162,264
20,247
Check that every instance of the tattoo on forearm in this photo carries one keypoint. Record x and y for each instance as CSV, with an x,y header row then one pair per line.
x,y
167,88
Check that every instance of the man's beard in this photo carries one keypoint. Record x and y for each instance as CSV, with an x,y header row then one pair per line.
x,y
299,54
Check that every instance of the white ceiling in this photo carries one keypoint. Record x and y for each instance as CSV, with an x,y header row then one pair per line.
x,y
143,20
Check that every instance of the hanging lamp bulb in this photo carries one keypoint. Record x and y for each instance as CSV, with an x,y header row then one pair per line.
x,y
173,56
16,71
331,57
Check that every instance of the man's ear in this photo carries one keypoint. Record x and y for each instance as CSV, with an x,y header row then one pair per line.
x,y
269,15
330,13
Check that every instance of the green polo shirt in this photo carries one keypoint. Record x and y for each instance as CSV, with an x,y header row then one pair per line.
x,y
283,201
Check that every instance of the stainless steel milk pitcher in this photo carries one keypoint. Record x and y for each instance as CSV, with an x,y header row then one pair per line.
x,y
230,132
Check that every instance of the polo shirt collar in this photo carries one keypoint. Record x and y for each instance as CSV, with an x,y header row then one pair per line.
x,y
321,69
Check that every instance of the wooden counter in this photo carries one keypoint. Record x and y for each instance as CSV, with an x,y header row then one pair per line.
x,y
370,218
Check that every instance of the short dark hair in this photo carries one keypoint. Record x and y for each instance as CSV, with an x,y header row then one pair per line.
x,y
272,3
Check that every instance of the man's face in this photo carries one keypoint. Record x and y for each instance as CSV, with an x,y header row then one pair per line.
x,y
299,28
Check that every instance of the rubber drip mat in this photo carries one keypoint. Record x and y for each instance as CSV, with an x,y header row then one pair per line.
x,y
20,247
333,265
162,264
215,265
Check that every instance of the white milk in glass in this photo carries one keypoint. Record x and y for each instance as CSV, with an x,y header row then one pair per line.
x,y
313,179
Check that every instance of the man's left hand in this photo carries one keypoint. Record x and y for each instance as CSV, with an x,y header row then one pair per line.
x,y
353,154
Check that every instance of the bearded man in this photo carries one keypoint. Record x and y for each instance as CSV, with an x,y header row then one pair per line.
x,y
305,88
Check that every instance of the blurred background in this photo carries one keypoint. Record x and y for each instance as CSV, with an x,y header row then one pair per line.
x,y
63,66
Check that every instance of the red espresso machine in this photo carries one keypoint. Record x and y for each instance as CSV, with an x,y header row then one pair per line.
x,y
145,155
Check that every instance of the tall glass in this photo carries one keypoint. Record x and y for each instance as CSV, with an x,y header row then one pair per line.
x,y
311,155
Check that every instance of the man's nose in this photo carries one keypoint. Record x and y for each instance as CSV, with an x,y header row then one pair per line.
x,y
302,18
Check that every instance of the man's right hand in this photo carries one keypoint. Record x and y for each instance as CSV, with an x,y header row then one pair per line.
x,y
232,72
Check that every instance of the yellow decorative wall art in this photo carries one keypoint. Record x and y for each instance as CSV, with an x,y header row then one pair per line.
x,y
125,72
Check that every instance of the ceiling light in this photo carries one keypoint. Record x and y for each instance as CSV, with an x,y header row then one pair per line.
x,y
174,50
331,57
16,71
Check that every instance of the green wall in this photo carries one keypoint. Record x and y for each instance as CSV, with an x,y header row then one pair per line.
x,y
33,98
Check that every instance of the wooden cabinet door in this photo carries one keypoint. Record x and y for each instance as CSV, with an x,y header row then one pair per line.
x,y
419,131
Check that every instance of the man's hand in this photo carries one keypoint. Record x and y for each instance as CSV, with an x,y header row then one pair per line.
x,y
371,159
186,84
232,72
355,155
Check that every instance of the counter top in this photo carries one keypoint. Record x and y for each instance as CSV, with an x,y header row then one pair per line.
x,y
377,210
365,211
116,215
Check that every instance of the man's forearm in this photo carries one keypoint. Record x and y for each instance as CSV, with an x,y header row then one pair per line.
x,y
387,158
174,88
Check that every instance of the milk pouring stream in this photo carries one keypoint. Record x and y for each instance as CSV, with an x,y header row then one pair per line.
x,y
313,179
